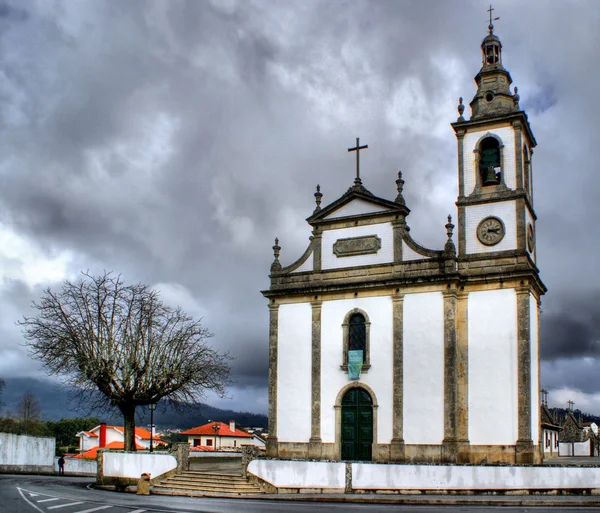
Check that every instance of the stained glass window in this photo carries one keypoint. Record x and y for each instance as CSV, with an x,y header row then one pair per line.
x,y
357,334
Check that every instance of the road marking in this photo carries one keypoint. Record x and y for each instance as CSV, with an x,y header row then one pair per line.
x,y
47,500
34,494
135,511
66,505
28,501
96,509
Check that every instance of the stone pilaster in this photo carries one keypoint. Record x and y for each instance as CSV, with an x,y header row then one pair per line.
x,y
399,228
272,449
314,445
460,139
518,128
397,451
317,237
449,445
524,449
462,377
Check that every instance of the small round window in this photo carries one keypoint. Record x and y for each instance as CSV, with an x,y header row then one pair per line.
x,y
489,97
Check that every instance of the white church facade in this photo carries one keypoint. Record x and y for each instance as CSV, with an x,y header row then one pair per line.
x,y
383,350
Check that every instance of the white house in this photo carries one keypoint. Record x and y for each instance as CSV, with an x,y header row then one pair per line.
x,y
383,350
103,435
218,435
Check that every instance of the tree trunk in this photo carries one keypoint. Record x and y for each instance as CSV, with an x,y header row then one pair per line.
x,y
128,412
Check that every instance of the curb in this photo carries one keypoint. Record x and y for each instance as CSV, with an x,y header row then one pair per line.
x,y
425,500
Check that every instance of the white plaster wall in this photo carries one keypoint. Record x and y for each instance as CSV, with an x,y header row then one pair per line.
x,y
436,477
535,370
409,254
26,450
492,320
300,474
78,467
356,207
130,464
423,399
306,266
506,211
506,134
294,364
372,476
386,254
378,377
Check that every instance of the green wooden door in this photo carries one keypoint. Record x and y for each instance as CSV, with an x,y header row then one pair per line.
x,y
357,425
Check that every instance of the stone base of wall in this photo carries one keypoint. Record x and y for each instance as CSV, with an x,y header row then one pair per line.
x,y
27,469
420,454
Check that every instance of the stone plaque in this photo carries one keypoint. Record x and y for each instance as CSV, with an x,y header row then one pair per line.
x,y
357,246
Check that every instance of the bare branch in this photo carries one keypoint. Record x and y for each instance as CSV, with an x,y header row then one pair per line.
x,y
122,340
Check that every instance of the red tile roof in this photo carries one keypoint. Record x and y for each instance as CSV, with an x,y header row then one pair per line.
x,y
144,434
93,452
208,429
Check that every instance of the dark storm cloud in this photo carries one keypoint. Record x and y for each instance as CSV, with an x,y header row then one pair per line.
x,y
172,141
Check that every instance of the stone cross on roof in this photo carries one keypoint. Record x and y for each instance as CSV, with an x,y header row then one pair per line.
x,y
357,149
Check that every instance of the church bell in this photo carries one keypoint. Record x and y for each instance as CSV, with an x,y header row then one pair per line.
x,y
491,178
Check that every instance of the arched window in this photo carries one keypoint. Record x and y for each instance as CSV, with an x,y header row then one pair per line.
x,y
526,170
489,161
356,335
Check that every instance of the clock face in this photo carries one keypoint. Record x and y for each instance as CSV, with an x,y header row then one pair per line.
x,y
530,238
490,231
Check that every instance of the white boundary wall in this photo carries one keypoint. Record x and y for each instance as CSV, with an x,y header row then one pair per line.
x,y
132,465
432,477
300,474
372,476
574,448
78,467
20,451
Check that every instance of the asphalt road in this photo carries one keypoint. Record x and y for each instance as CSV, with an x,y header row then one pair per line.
x,y
49,494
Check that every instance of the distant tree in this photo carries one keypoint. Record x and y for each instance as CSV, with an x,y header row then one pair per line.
x,y
122,340
28,408
65,430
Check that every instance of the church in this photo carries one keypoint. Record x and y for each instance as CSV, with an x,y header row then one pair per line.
x,y
383,350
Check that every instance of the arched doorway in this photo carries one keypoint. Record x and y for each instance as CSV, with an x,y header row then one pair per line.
x,y
357,425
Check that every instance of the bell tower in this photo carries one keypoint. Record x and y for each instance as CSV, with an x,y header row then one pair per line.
x,y
497,263
495,200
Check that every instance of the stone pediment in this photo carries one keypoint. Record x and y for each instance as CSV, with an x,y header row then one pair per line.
x,y
358,201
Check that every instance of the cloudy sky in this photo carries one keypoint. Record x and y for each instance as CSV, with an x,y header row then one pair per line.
x,y
171,141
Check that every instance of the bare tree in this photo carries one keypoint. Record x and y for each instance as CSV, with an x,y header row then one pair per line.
x,y
99,334
28,408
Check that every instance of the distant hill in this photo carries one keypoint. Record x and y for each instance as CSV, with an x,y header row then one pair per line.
x,y
55,405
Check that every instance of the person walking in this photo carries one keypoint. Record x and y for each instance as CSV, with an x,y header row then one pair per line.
x,y
61,466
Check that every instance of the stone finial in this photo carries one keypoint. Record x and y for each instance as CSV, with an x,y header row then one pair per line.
x,y
276,266
400,186
461,110
449,248
318,196
516,97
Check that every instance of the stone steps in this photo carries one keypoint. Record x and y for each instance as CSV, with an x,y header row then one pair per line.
x,y
209,484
